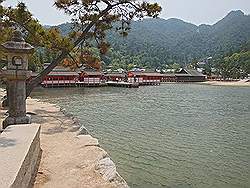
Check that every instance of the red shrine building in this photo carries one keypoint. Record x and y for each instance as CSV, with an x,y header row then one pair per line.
x,y
90,78
145,78
60,76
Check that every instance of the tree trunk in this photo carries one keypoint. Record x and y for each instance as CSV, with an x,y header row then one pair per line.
x,y
5,102
34,82
37,80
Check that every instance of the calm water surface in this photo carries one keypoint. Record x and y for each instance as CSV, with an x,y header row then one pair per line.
x,y
173,135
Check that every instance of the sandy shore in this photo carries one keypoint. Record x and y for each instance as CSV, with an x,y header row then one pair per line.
x,y
70,158
225,83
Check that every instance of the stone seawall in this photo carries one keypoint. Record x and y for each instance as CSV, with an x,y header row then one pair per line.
x,y
20,155
104,165
71,157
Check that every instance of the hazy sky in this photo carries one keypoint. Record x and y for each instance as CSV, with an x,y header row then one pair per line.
x,y
194,11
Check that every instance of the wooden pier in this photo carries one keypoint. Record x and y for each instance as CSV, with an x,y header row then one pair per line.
x,y
150,83
122,84
59,83
68,83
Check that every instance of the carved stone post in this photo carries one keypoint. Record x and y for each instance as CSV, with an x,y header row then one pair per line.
x,y
17,51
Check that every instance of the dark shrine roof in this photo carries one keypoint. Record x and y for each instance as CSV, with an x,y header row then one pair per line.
x,y
92,73
146,73
61,71
189,72
116,74
54,73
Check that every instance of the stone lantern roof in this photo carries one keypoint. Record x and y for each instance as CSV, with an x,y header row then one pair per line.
x,y
17,45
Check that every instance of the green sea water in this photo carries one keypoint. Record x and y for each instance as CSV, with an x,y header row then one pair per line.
x,y
173,135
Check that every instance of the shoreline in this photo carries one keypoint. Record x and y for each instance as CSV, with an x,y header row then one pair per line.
x,y
227,83
71,157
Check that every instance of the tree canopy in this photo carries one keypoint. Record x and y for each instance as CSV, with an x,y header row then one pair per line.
x,y
91,20
236,65
155,43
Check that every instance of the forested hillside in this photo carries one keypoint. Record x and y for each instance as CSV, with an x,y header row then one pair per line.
x,y
157,42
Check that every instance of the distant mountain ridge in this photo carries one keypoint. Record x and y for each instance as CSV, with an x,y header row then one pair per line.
x,y
160,41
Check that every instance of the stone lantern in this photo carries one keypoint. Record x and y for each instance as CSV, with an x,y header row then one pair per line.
x,y
17,52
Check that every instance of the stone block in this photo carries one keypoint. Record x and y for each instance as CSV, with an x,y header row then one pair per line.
x,y
20,155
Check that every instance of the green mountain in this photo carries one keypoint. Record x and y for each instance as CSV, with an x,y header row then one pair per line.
x,y
156,42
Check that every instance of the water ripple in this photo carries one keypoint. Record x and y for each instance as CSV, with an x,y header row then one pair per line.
x,y
175,135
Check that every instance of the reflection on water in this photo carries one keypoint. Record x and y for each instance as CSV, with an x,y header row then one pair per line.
x,y
173,135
